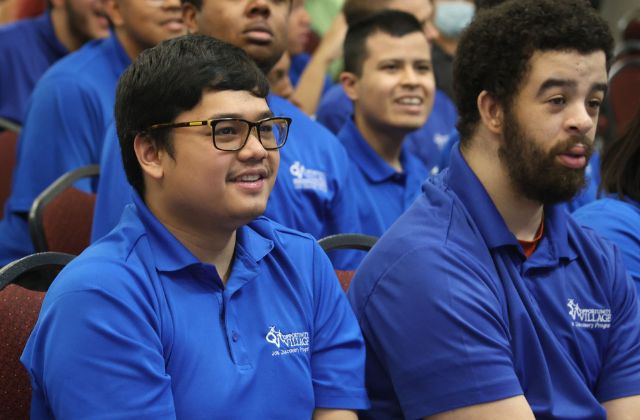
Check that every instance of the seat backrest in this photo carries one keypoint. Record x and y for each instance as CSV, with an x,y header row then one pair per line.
x,y
624,91
347,241
19,308
22,286
8,145
61,216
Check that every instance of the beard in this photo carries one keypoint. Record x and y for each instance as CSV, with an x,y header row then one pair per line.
x,y
78,24
535,173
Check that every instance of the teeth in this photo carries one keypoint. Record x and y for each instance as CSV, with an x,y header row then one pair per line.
x,y
249,178
410,101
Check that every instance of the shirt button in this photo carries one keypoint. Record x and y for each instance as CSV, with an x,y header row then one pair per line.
x,y
235,336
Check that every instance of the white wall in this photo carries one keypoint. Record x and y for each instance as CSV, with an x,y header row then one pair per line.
x,y
612,10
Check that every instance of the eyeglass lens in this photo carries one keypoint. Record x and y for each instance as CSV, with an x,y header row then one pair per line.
x,y
232,134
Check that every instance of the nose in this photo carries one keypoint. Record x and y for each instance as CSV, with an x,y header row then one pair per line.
x,y
253,149
581,120
409,76
259,8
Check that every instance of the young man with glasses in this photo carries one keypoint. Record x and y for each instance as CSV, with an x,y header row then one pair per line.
x,y
313,192
71,107
194,306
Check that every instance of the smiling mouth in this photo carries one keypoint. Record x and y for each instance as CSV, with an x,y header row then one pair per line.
x,y
410,100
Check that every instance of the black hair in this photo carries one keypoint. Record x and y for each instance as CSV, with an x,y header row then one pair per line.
x,y
494,51
196,3
391,22
169,79
620,165
355,10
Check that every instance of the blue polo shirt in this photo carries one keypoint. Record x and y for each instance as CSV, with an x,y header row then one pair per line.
x,y
426,143
27,49
68,114
454,315
618,221
313,192
383,192
137,326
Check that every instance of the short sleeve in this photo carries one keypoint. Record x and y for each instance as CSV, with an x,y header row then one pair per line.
x,y
338,353
433,323
97,353
620,371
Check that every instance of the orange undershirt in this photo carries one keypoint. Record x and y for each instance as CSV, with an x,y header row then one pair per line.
x,y
530,246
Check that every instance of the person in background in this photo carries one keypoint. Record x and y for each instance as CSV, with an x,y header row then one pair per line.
x,y
29,47
616,216
388,76
451,17
486,299
298,35
195,307
278,77
72,106
427,142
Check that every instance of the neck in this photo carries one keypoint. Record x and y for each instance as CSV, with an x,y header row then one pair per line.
x,y
521,215
210,245
447,45
60,22
131,48
386,141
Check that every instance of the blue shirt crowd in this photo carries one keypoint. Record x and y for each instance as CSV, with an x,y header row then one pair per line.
x,y
281,336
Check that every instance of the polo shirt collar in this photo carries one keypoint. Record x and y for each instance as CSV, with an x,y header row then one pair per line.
x,y
363,155
119,58
466,185
170,254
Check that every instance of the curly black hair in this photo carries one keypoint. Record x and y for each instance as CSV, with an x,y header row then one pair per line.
x,y
494,51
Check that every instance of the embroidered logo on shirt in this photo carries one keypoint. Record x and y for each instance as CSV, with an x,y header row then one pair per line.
x,y
440,140
308,179
589,318
287,343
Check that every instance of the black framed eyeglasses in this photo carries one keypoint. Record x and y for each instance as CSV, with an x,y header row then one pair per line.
x,y
231,134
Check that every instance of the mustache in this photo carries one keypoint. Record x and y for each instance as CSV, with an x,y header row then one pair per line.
x,y
566,145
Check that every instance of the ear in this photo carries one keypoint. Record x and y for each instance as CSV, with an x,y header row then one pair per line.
x,y
491,112
349,82
190,18
112,9
149,156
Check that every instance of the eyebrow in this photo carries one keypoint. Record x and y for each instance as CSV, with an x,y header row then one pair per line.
x,y
262,115
565,83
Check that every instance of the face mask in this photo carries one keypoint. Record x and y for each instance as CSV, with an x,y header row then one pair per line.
x,y
452,17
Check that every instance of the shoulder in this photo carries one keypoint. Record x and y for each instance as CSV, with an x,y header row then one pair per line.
x,y
118,265
606,212
79,67
435,240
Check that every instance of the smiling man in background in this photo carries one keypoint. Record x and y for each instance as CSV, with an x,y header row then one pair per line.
x,y
388,76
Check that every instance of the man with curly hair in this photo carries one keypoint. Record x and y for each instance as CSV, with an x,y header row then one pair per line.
x,y
485,300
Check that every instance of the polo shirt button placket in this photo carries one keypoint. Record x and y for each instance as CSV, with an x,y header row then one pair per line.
x,y
235,337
